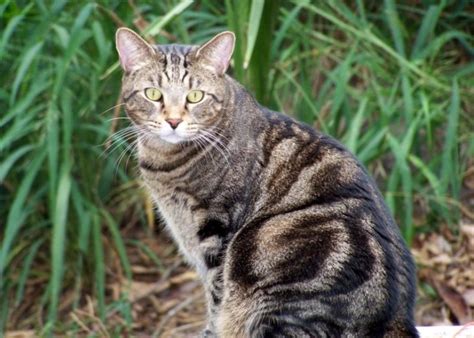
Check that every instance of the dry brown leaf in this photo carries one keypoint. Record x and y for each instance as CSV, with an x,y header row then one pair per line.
x,y
468,230
139,289
457,304
443,259
440,245
469,296
138,269
184,277
20,334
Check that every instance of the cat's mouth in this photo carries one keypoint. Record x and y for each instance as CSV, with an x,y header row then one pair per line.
x,y
175,135
179,133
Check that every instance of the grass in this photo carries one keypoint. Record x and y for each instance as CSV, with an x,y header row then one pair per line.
x,y
393,80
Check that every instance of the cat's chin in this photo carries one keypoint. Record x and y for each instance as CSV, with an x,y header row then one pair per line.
x,y
173,138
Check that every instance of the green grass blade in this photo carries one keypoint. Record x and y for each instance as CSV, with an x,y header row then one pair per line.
x,y
355,127
25,64
372,148
84,217
306,96
370,37
99,258
290,19
10,28
430,19
450,176
256,11
7,163
428,174
395,25
118,241
155,27
52,141
402,170
237,12
16,215
150,254
26,269
4,306
58,240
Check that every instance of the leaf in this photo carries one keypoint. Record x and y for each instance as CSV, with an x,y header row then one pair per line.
x,y
450,143
455,301
7,163
25,64
16,214
99,259
155,27
426,29
254,24
59,238
468,295
355,126
395,26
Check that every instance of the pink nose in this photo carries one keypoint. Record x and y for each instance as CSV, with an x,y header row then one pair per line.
x,y
174,122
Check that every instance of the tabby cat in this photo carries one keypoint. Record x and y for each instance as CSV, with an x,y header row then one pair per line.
x,y
287,231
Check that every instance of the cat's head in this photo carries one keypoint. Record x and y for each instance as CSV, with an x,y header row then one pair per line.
x,y
174,92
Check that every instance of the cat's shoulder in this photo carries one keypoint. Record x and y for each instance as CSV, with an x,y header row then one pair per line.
x,y
289,127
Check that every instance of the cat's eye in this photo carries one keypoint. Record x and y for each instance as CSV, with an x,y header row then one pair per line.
x,y
153,94
194,96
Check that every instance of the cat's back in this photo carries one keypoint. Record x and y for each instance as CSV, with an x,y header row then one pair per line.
x,y
320,247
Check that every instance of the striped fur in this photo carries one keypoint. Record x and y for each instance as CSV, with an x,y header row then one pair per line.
x,y
287,231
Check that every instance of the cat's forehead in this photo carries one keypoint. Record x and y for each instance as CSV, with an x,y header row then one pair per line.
x,y
175,52
177,66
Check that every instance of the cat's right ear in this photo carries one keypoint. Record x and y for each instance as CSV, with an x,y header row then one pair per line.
x,y
132,49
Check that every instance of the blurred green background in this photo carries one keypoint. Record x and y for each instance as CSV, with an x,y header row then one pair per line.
x,y
393,80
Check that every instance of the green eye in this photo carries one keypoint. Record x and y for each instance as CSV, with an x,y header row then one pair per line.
x,y
195,96
153,94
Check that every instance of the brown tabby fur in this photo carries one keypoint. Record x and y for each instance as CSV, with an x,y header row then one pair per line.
x,y
289,234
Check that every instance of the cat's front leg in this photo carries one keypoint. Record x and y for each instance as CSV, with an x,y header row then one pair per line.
x,y
213,236
213,290
212,249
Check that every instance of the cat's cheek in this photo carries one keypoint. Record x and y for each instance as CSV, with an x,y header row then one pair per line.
x,y
205,116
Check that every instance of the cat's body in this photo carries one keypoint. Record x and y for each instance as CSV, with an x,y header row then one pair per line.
x,y
289,235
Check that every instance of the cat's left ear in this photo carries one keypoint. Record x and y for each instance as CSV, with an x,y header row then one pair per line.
x,y
216,53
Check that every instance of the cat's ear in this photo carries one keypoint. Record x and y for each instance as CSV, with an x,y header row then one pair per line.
x,y
132,49
216,53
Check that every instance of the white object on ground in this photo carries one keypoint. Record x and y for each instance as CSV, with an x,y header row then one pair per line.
x,y
466,331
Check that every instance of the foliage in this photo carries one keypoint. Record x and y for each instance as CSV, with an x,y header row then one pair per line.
x,y
391,80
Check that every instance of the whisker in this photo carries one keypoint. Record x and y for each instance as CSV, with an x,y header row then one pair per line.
x,y
216,143
113,107
120,138
202,145
219,132
219,141
118,118
128,149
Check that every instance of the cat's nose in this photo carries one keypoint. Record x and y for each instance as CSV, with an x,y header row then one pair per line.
x,y
174,122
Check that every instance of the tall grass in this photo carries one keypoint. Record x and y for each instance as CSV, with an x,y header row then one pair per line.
x,y
393,81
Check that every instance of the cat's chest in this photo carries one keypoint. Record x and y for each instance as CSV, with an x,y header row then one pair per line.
x,y
182,221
